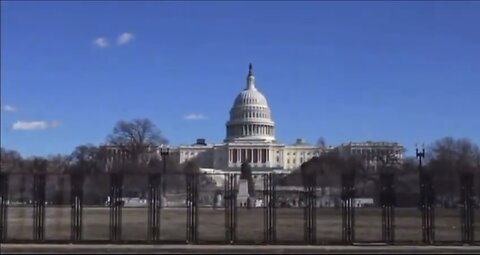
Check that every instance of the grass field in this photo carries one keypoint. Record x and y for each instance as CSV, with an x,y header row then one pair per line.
x,y
211,224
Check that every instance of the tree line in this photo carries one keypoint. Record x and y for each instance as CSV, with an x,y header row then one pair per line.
x,y
445,159
133,137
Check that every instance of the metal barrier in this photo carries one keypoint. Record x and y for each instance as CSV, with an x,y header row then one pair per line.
x,y
161,209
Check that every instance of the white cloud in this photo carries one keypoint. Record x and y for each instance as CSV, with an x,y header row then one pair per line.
x,y
124,38
194,116
34,125
9,108
101,42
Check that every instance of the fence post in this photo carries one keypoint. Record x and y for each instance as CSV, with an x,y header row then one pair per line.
x,y
309,194
387,201
76,202
116,202
427,197
226,205
348,213
3,205
154,207
467,208
192,207
230,208
269,208
40,167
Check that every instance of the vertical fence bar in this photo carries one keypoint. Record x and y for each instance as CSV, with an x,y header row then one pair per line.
x,y
348,213
189,208
35,194
314,210
269,208
226,205
76,202
266,223
309,195
273,201
307,216
272,207
467,210
309,198
352,208
192,207
387,201
3,205
196,204
234,207
428,211
116,202
39,202
154,207
230,205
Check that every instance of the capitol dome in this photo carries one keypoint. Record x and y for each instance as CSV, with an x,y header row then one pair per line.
x,y
250,116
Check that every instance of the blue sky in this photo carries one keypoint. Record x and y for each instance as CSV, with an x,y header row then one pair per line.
x,y
398,71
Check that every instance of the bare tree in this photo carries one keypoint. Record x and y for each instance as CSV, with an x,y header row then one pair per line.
x,y
447,158
86,159
57,163
136,136
11,161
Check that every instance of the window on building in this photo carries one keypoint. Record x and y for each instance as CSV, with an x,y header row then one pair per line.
x,y
278,159
301,160
255,155
293,161
288,161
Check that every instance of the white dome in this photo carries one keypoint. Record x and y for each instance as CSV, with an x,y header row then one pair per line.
x,y
250,116
250,97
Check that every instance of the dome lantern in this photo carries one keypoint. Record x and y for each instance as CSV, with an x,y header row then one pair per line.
x,y
250,78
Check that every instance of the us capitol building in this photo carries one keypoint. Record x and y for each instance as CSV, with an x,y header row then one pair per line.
x,y
250,137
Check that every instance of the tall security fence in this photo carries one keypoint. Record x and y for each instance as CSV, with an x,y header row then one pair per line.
x,y
198,208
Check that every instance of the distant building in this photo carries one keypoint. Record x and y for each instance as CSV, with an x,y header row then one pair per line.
x,y
370,149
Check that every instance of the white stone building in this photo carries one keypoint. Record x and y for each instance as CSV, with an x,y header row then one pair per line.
x,y
250,137
370,149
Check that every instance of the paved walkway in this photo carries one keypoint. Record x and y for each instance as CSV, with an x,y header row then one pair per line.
x,y
225,249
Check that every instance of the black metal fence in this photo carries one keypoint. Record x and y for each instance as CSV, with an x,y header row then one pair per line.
x,y
217,208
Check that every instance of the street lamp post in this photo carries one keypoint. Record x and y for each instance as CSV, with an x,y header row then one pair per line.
x,y
426,198
420,155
